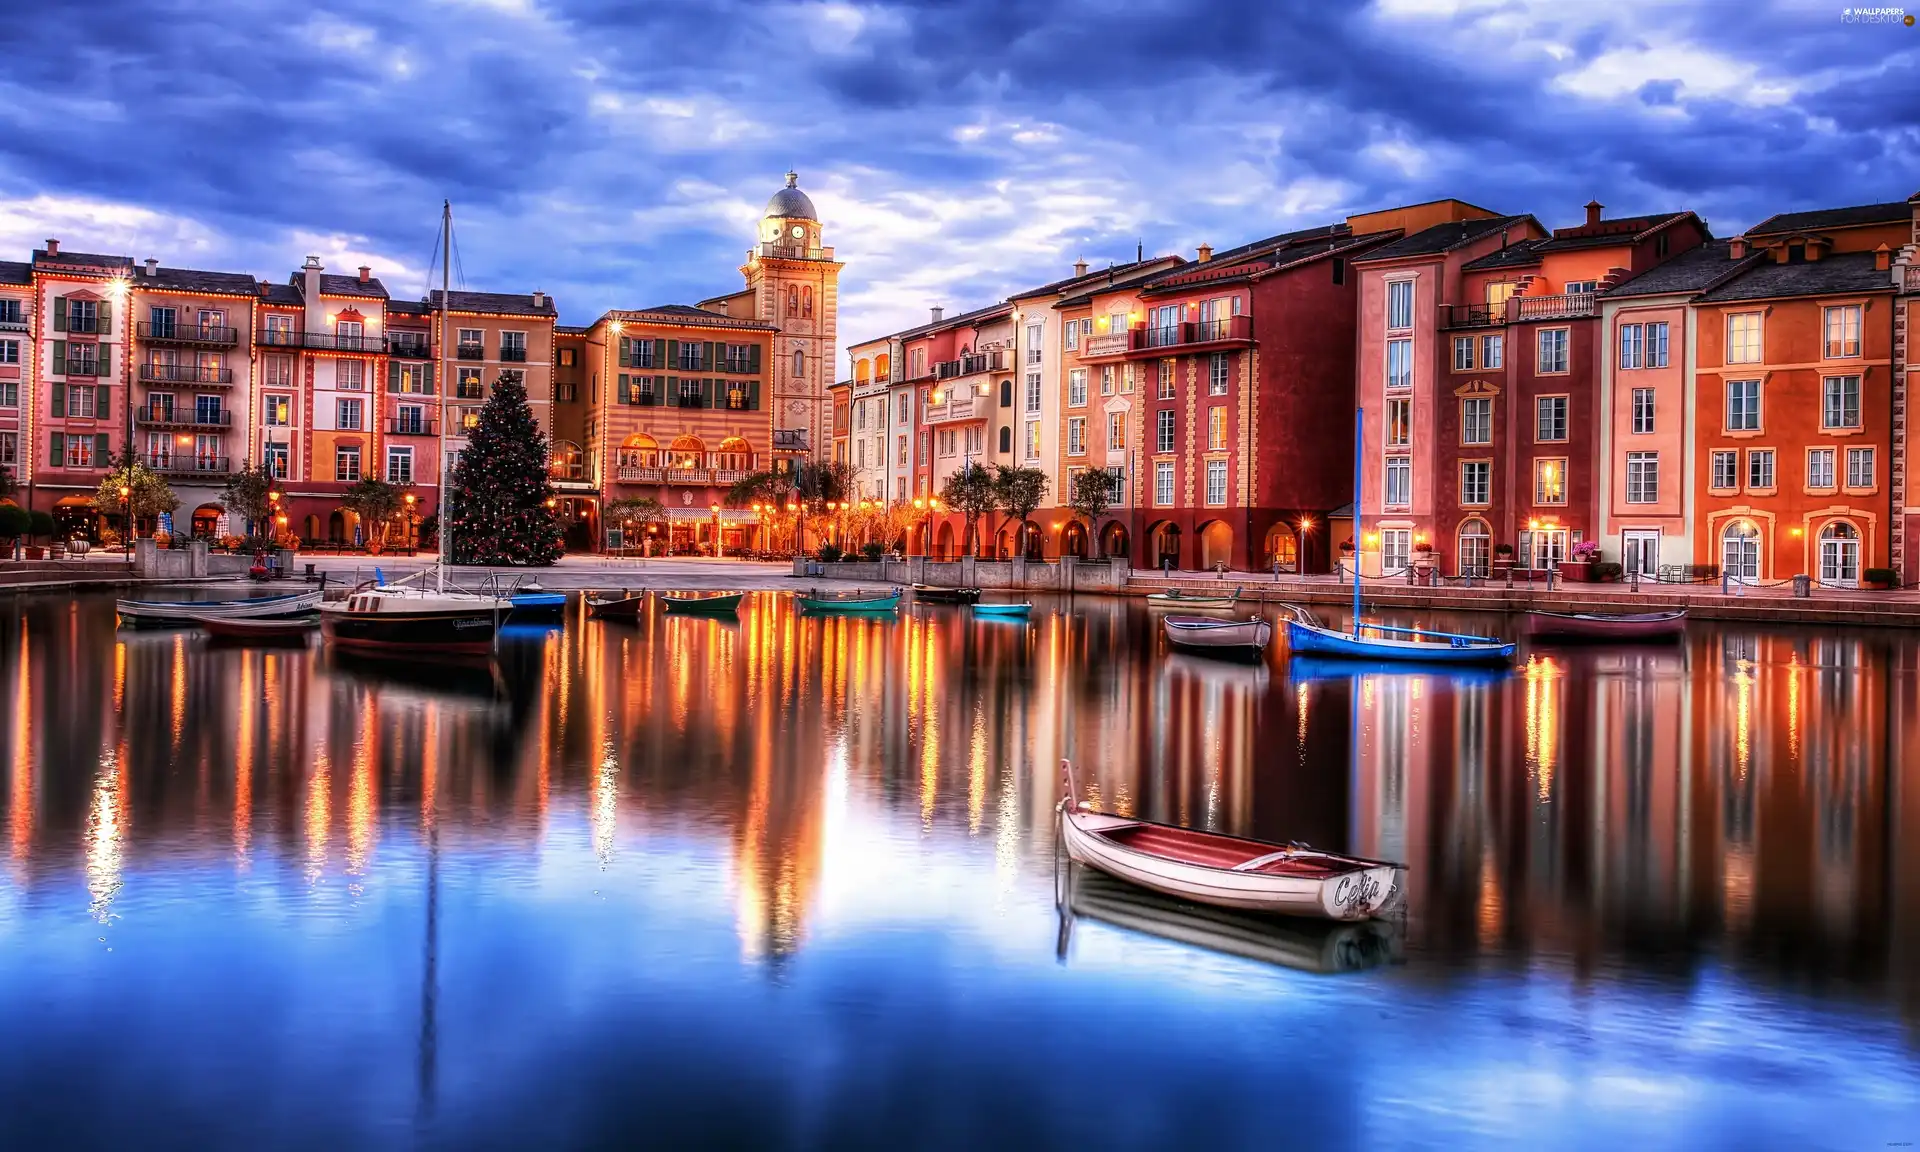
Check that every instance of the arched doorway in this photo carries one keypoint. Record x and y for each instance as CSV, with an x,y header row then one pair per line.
x,y
943,541
1073,539
1282,548
1740,551
1033,542
1216,545
310,528
1840,555
336,527
1475,544
1165,544
206,521
1115,544
687,452
74,516
638,451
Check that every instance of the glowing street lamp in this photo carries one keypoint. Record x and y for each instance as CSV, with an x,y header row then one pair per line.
x,y
126,537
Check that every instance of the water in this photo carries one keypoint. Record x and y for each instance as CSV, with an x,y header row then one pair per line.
x,y
792,883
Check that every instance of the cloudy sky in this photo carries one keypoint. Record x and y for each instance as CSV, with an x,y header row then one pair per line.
x,y
617,154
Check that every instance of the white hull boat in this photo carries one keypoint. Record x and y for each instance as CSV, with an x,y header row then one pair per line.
x,y
1218,637
178,613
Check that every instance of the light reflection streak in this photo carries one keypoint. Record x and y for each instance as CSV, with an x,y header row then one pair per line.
x,y
1542,724
977,774
249,715
605,799
319,814
20,792
106,833
178,673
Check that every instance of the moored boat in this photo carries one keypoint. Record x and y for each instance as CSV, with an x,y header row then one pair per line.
x,y
1228,871
622,607
1007,611
1605,626
813,601
703,603
532,602
186,613
413,622
1370,641
1242,638
1192,600
932,595
261,630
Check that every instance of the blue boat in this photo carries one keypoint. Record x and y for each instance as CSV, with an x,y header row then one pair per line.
x,y
538,605
1003,610
1303,669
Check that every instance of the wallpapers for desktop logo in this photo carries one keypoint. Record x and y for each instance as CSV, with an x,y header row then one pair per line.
x,y
1875,16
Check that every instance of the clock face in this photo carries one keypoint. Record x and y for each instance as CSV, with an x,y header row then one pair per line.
x,y
799,231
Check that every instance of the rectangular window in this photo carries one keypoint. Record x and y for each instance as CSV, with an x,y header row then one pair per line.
x,y
1077,436
277,411
79,451
643,356
513,345
9,393
1493,351
1116,431
347,415
1035,333
350,375
1126,379
1632,350
1476,482
691,355
1656,345
1396,549
1841,408
1550,481
9,351
1550,419
275,458
278,371
1581,287
1163,441
1399,482
1553,351
80,400
1743,405
1216,481
1106,380
9,447
1843,331
1033,440
346,464
1163,482
1117,323
1462,353
1399,423
1743,338
399,465
1859,467
1399,364
1033,392
1077,388
1642,410
1168,374
1216,427
1217,371
740,359
900,450
1643,477
1117,488
900,407
1399,304
1476,421
472,343
1820,468
1760,468
1725,472
1071,336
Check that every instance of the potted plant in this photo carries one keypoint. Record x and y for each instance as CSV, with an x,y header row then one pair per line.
x,y
1346,558
40,525
1578,567
1425,558
1880,579
1606,572
1503,557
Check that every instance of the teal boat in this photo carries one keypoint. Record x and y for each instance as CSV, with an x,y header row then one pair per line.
x,y
1003,610
812,601
703,603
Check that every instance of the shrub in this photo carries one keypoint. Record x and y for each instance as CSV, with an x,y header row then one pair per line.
x,y
830,552
1606,570
42,524
873,551
14,521
1881,576
1504,551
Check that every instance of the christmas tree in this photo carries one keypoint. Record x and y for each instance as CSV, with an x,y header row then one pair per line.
x,y
498,510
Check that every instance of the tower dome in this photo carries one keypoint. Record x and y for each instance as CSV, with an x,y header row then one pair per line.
x,y
790,203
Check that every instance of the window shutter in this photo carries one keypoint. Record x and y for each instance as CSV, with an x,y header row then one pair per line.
x,y
626,352
660,354
753,358
59,313
626,386
673,391
102,453
673,354
753,395
706,394
60,355
715,354
59,389
102,406
393,376
58,457
106,317
427,380
104,364
1525,557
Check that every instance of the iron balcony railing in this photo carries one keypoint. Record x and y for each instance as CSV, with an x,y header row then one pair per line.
x,y
1189,332
184,374
84,325
1472,315
470,352
279,338
411,428
216,335
513,355
166,416
185,464
409,349
654,474
85,367
329,342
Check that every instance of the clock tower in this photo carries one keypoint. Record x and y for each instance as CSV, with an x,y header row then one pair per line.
x,y
793,283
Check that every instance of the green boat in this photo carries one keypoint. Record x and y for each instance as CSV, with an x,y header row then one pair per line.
x,y
812,601
703,603
1189,600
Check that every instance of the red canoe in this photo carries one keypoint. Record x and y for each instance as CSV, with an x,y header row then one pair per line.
x,y
1603,626
277,629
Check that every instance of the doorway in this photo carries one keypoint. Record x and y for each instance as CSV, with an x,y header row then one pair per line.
x,y
1640,552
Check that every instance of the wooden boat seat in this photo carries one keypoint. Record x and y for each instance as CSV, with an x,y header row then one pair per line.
x,y
1211,851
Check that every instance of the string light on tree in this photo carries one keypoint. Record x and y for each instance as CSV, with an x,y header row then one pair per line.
x,y
501,503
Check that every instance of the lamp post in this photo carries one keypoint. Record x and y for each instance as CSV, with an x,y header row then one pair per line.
x,y
718,549
126,536
273,512
413,539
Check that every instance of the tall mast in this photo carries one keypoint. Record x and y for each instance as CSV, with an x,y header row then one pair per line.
x,y
1359,448
446,266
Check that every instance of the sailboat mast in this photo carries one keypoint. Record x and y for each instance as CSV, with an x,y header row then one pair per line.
x,y
1359,447
446,268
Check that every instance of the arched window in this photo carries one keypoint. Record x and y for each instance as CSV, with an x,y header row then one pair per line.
x,y
1006,397
1740,551
793,301
799,363
1840,554
734,455
565,461
687,452
1475,542
639,451
806,301
1006,439
862,371
881,366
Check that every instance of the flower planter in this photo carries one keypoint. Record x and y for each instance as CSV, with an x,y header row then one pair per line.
x,y
1877,585
1576,572
34,552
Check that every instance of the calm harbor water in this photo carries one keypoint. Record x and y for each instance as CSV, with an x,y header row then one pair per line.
x,y
792,883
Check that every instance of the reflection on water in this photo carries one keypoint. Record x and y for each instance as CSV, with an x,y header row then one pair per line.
x,y
740,860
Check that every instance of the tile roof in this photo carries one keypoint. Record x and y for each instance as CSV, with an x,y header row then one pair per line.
x,y
1618,231
1072,282
193,280
1695,270
409,307
1847,272
331,285
1519,254
14,272
504,303
570,330
283,294
41,258
1893,212
1445,237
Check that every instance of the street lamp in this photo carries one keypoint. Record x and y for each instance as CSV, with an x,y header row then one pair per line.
x,y
413,540
126,536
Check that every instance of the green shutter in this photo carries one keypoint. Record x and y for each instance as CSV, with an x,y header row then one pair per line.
x,y
626,351
626,382
102,405
426,381
673,391
59,389
753,395
59,313
393,376
102,452
660,355
716,353
106,317
103,364
60,354
753,359
58,457
672,355
707,393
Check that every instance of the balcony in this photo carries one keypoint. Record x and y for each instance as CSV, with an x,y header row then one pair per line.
x,y
1522,309
184,374
646,474
168,416
209,335
1189,335
12,319
790,439
513,355
328,342
995,361
1472,315
278,338
84,325
787,252
464,390
409,348
960,404
1108,344
85,368
411,428
187,465
470,352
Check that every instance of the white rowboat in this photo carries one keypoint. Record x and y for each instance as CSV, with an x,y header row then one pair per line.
x,y
1218,637
182,613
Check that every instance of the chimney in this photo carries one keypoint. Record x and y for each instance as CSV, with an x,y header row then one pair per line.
x,y
1503,238
1079,266
1204,253
366,273
53,246
1882,258
1593,212
1737,248
938,312
539,299
312,264
265,288
153,266
310,288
